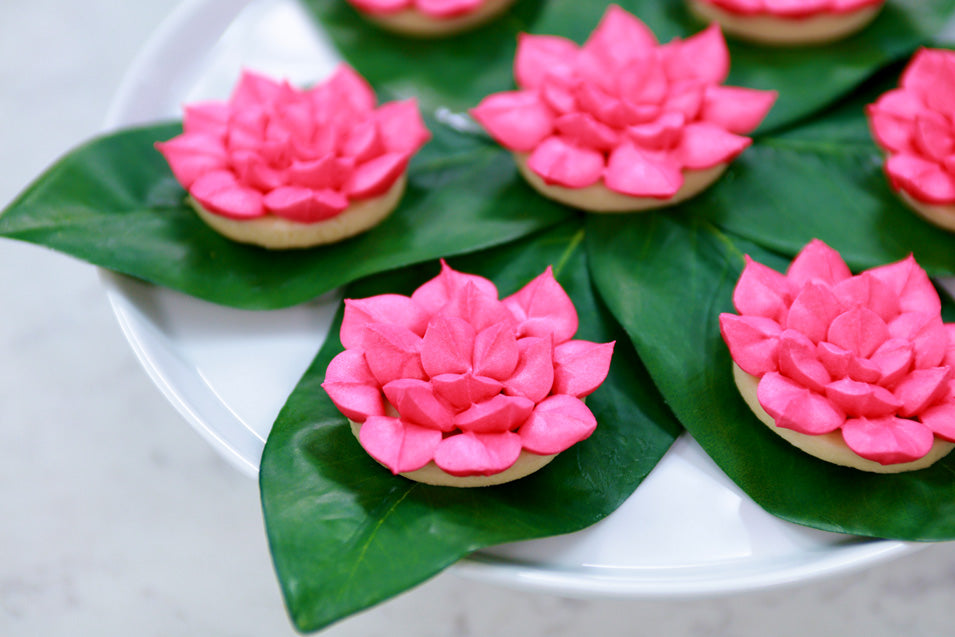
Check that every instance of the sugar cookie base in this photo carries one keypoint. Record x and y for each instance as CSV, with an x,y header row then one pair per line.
x,y
415,23
526,464
830,447
942,215
277,233
767,29
599,198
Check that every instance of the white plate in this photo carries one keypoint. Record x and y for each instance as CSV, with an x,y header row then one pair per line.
x,y
687,531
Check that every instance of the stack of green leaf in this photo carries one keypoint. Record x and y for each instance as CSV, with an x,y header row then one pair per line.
x,y
346,534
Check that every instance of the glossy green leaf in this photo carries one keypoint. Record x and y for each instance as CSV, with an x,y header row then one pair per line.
x,y
113,202
346,534
824,179
457,72
667,278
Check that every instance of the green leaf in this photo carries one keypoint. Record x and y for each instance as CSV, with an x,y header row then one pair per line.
x,y
667,278
456,73
346,534
114,202
824,179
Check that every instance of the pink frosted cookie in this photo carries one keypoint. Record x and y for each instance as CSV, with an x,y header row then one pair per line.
x,y
452,386
622,123
430,18
788,22
286,168
913,124
856,370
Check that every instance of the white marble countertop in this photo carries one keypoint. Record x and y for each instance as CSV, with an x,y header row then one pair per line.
x,y
117,519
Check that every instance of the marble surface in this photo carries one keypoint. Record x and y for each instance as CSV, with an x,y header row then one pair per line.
x,y
117,519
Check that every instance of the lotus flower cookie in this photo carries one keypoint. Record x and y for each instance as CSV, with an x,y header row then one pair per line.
x,y
286,168
430,18
453,386
623,123
913,124
856,370
788,22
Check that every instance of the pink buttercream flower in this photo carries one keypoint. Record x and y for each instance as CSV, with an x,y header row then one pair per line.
x,y
622,110
914,125
455,376
432,8
792,8
868,354
302,155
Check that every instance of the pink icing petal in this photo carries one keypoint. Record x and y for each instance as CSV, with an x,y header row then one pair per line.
x,y
438,292
795,407
375,177
933,138
468,454
863,370
206,117
643,81
580,367
817,261
922,388
559,93
892,132
352,387
798,362
894,359
346,85
931,76
481,310
870,291
619,37
447,346
416,403
382,6
542,308
398,445
862,399
541,55
703,56
835,359
941,420
761,291
813,310
859,330
581,129
254,89
685,98
557,161
926,333
192,155
401,128
950,352
252,169
911,284
534,376
221,193
391,352
663,133
753,342
518,120
888,440
500,413
460,390
447,8
329,172
556,424
495,351
922,179
638,173
304,205
737,110
363,142
384,308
